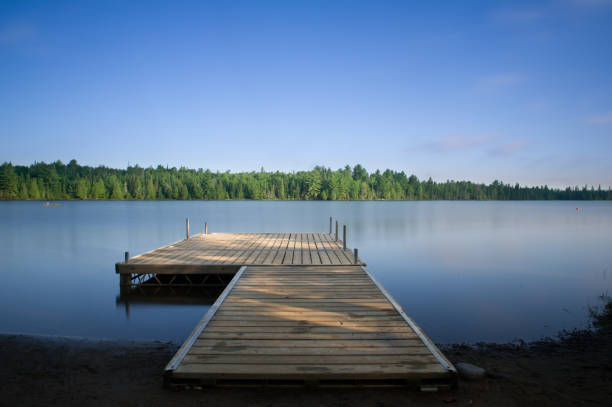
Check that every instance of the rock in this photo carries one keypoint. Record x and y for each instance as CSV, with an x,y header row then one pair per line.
x,y
470,372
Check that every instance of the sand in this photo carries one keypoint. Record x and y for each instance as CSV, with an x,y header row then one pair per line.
x,y
38,370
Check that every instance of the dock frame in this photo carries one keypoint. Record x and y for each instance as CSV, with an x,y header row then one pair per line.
x,y
296,310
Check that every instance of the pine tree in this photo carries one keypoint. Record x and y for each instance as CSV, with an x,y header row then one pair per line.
x,y
313,183
150,190
8,182
82,189
184,193
137,192
23,191
98,190
117,191
33,190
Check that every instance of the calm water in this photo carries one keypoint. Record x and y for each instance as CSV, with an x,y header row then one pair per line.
x,y
465,271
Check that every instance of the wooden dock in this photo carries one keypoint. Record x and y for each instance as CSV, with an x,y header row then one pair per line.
x,y
230,251
300,309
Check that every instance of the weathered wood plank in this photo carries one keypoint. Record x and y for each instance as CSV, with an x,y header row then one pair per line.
x,y
337,329
322,360
288,323
312,351
353,336
301,310
249,300
273,343
293,371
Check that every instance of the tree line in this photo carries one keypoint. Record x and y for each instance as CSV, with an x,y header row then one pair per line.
x,y
58,181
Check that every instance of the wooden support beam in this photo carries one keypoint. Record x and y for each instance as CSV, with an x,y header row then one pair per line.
x,y
125,279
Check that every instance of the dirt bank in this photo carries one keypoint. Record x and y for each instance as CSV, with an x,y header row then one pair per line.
x,y
34,371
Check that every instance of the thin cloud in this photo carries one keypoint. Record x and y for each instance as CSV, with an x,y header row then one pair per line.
x,y
604,118
492,146
500,81
592,3
508,149
518,15
546,11
452,143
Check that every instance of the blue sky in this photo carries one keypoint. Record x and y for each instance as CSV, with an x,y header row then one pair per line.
x,y
517,91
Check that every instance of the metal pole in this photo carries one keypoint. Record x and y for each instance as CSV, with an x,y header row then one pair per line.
x,y
356,256
343,237
205,228
127,256
336,230
187,228
330,225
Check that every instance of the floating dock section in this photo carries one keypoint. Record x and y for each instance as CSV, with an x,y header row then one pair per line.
x,y
299,309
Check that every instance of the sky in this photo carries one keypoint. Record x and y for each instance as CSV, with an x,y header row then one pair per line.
x,y
515,91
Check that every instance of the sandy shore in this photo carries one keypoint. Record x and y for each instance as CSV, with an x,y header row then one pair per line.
x,y
37,370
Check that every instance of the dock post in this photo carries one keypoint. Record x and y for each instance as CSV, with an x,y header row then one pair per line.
x,y
356,257
330,225
125,280
343,237
187,228
336,230
205,228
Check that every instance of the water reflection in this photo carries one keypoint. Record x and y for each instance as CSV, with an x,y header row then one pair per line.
x,y
465,271
147,295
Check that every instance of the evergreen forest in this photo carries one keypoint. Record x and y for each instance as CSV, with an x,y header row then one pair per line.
x,y
59,181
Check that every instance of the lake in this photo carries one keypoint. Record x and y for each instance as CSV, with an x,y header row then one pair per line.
x,y
464,271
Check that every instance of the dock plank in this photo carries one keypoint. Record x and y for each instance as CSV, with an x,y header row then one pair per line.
x,y
308,323
297,308
238,249
284,372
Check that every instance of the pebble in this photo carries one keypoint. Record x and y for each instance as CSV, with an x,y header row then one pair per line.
x,y
470,372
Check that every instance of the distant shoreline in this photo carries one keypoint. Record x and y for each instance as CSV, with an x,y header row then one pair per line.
x,y
303,200
58,181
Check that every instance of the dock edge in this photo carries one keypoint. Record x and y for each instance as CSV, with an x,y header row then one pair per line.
x,y
180,354
446,364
